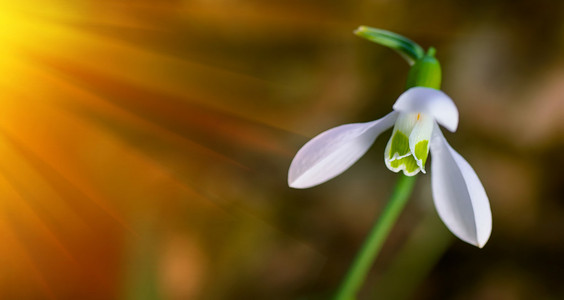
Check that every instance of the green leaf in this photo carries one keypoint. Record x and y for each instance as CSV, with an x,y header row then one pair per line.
x,y
407,48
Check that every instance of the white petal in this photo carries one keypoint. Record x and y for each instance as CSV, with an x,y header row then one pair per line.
x,y
459,196
335,150
421,133
432,102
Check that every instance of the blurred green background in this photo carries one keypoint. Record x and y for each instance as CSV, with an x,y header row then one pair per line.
x,y
144,148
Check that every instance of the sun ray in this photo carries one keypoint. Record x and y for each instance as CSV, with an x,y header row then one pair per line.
x,y
20,258
114,112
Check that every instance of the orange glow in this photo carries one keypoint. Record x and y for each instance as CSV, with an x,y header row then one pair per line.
x,y
98,132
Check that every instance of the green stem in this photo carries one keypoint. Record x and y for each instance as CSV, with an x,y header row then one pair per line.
x,y
363,261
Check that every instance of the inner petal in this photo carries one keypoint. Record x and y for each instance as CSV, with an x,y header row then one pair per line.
x,y
419,139
398,154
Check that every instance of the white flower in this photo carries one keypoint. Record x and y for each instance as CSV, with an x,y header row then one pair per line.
x,y
459,196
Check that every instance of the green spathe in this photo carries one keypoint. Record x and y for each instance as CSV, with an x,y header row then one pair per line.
x,y
407,48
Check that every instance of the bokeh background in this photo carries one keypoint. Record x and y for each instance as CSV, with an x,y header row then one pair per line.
x,y
144,147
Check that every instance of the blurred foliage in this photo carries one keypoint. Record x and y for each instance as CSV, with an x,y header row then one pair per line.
x,y
145,144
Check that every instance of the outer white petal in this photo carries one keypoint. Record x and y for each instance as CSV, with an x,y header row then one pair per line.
x,y
459,196
335,150
432,102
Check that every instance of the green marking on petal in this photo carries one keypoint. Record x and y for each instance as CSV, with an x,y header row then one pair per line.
x,y
421,152
409,164
399,156
400,144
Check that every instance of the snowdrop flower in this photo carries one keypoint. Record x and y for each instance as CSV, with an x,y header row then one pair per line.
x,y
459,196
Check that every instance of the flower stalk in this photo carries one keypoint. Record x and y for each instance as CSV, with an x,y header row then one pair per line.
x,y
376,238
425,72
